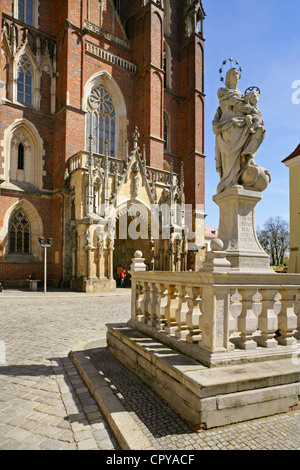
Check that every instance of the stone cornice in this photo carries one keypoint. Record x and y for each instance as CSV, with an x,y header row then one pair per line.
x,y
103,54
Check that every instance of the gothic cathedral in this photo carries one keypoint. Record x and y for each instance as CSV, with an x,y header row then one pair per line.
x,y
101,138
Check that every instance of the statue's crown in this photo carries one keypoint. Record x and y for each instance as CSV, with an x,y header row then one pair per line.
x,y
252,88
232,63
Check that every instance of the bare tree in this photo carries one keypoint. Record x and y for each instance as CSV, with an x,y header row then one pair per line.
x,y
274,238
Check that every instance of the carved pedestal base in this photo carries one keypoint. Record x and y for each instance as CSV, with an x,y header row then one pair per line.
x,y
237,229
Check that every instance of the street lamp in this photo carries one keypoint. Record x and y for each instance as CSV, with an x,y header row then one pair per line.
x,y
45,244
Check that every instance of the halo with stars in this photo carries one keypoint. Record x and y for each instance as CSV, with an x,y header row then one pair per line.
x,y
232,63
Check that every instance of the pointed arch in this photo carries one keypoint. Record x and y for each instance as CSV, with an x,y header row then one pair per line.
x,y
23,132
33,220
167,66
24,81
19,234
167,132
103,81
24,55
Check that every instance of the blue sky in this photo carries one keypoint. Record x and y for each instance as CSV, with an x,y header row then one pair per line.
x,y
264,36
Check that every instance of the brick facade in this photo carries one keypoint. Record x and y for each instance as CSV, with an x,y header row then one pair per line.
x,y
74,41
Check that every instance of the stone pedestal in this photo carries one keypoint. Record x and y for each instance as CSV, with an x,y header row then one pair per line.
x,y
237,230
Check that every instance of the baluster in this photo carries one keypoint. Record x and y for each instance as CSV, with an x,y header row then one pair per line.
x,y
162,292
268,320
134,299
139,294
247,320
234,312
170,310
222,320
146,303
193,314
180,314
153,304
287,320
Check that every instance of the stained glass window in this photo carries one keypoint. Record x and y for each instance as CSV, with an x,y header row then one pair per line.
x,y
19,234
101,121
24,81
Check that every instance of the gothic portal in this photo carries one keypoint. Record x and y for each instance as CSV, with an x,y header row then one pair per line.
x,y
101,138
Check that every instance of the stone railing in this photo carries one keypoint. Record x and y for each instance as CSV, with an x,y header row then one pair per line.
x,y
109,57
217,318
153,175
18,33
158,176
80,161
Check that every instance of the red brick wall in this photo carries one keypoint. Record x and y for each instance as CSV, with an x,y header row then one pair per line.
x,y
146,99
43,207
50,211
21,271
45,95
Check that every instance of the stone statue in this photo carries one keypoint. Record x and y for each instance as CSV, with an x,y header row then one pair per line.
x,y
100,244
88,238
239,131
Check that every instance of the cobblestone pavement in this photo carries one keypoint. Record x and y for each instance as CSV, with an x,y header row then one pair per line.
x,y
45,405
165,430
43,402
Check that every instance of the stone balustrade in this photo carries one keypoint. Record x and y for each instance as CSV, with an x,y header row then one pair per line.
x,y
109,57
153,175
158,176
216,317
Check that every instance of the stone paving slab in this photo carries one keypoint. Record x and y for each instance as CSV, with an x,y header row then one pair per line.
x,y
45,403
164,429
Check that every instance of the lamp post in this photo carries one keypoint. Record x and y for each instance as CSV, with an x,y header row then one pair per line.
x,y
45,244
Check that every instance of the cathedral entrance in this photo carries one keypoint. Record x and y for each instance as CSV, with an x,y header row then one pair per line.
x,y
131,235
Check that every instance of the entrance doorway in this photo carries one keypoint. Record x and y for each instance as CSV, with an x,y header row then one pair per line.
x,y
125,247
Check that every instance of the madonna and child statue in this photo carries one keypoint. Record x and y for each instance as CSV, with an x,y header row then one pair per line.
x,y
240,131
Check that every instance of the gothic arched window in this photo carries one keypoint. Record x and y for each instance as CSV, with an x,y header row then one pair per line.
x,y
25,11
166,132
101,121
167,66
20,157
165,69
24,81
19,233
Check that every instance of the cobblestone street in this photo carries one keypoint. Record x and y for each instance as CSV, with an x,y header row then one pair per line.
x,y
44,403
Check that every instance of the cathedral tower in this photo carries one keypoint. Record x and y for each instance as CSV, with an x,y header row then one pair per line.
x,y
102,109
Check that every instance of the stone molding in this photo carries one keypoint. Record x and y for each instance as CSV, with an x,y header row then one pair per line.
x,y
97,51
